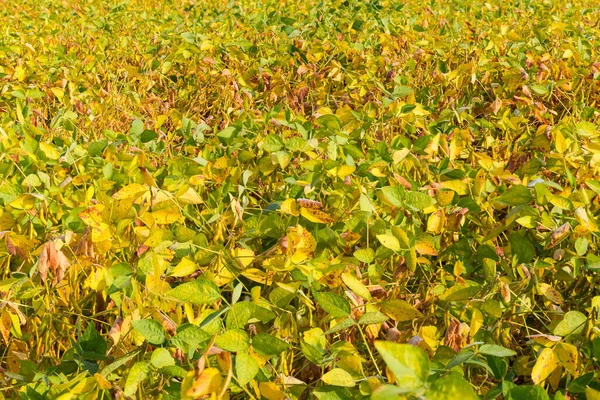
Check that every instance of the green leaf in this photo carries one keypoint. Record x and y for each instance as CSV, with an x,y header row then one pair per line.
x,y
96,148
527,392
451,386
409,364
119,362
460,292
495,350
581,246
333,304
418,201
515,196
246,368
137,127
400,310
272,143
387,392
148,136
402,91
162,358
522,248
92,341
189,337
268,345
393,195
572,324
198,292
338,377
340,326
151,330
227,135
138,373
239,314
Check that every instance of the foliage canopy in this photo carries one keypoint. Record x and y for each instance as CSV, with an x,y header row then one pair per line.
x,y
346,199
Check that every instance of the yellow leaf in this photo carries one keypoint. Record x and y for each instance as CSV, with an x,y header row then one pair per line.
x,y
435,222
92,216
166,216
545,364
289,206
184,268
244,257
271,391
317,216
458,186
592,394
256,275
132,191
84,386
476,321
389,241
102,382
479,184
23,202
224,274
49,151
160,196
568,355
345,170
425,247
208,382
100,232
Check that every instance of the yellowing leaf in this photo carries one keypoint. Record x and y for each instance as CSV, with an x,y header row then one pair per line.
x,y
551,293
400,310
389,241
356,286
545,364
338,377
190,196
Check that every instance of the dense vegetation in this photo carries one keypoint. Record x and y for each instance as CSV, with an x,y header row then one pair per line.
x,y
299,199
